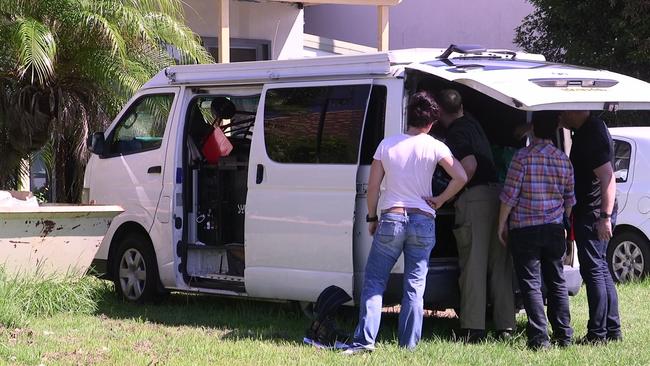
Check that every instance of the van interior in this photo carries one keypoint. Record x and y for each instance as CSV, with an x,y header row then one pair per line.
x,y
213,250
505,128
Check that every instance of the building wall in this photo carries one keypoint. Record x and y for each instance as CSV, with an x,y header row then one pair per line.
x,y
281,24
423,23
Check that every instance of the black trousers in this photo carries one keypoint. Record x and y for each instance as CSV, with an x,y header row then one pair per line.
x,y
604,319
538,253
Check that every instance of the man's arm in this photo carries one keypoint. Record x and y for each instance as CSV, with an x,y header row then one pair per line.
x,y
458,179
469,165
605,175
374,183
509,196
502,230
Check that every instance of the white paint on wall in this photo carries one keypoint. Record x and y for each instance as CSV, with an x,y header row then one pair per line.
x,y
280,23
423,23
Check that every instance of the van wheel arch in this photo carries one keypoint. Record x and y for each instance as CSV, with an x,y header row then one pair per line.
x,y
127,230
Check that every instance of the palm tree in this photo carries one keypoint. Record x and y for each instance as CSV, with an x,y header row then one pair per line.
x,y
67,66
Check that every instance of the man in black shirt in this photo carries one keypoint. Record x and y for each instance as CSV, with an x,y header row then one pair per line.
x,y
484,263
592,156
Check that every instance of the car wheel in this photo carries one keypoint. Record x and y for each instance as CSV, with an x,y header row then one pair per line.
x,y
628,255
135,269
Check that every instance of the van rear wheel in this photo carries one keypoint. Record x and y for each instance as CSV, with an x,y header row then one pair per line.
x,y
135,271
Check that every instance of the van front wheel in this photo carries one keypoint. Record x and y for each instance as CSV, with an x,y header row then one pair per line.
x,y
135,269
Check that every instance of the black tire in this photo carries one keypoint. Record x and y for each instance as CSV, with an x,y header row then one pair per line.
x,y
628,256
135,271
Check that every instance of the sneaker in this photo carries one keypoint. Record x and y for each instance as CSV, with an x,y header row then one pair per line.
x,y
354,350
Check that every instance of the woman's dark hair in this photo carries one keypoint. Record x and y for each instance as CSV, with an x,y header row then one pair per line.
x,y
449,100
545,124
422,110
223,108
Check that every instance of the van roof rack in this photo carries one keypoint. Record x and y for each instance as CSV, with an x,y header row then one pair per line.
x,y
462,48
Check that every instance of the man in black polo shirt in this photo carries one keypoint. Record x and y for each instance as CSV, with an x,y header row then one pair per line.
x,y
592,156
484,263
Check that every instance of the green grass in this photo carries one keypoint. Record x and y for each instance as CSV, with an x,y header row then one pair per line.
x,y
204,330
23,297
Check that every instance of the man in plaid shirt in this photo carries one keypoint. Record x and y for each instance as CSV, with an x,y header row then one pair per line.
x,y
537,197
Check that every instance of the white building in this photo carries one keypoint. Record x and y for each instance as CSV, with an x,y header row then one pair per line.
x,y
423,23
274,29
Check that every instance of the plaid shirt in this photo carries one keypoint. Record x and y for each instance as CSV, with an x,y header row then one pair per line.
x,y
539,185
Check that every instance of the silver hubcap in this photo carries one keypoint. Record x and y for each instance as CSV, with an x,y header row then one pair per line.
x,y
133,274
627,261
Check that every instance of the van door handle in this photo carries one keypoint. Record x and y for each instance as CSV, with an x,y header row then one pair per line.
x,y
260,174
157,169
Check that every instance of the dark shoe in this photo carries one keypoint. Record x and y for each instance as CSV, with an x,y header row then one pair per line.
x,y
614,337
505,335
562,343
589,340
539,346
472,336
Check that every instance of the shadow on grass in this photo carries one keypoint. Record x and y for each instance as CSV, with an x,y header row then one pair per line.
x,y
240,318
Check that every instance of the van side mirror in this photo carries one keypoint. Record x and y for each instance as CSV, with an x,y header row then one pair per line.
x,y
95,143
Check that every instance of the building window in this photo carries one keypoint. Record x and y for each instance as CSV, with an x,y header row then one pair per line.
x,y
315,125
240,49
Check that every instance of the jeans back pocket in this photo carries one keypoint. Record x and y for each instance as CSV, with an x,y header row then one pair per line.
x,y
386,231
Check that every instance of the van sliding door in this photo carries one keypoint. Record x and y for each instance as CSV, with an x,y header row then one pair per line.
x,y
302,188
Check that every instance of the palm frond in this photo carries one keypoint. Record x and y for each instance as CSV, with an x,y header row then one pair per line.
x,y
108,30
171,32
37,50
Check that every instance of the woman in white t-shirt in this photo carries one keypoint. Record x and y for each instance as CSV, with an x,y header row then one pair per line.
x,y
405,163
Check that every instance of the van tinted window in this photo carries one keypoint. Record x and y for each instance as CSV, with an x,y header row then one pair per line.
x,y
373,131
142,127
315,125
622,155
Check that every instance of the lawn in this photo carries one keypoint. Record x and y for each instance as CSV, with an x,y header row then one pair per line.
x,y
204,330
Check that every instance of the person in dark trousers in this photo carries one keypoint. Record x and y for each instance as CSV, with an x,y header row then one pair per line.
x,y
536,201
484,263
405,163
592,155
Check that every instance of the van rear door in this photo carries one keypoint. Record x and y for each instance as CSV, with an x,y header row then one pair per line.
x,y
302,188
534,85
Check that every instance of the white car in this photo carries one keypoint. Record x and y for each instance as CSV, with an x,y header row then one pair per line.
x,y
629,250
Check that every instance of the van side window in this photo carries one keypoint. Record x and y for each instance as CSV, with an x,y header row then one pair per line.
x,y
373,131
315,125
142,127
622,155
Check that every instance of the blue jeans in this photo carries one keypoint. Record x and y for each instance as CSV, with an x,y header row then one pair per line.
x,y
537,252
413,234
604,320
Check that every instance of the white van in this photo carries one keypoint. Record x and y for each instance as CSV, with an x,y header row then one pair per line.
x,y
282,216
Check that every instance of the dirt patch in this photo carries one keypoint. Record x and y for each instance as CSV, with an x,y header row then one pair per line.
x,y
21,335
144,346
79,356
